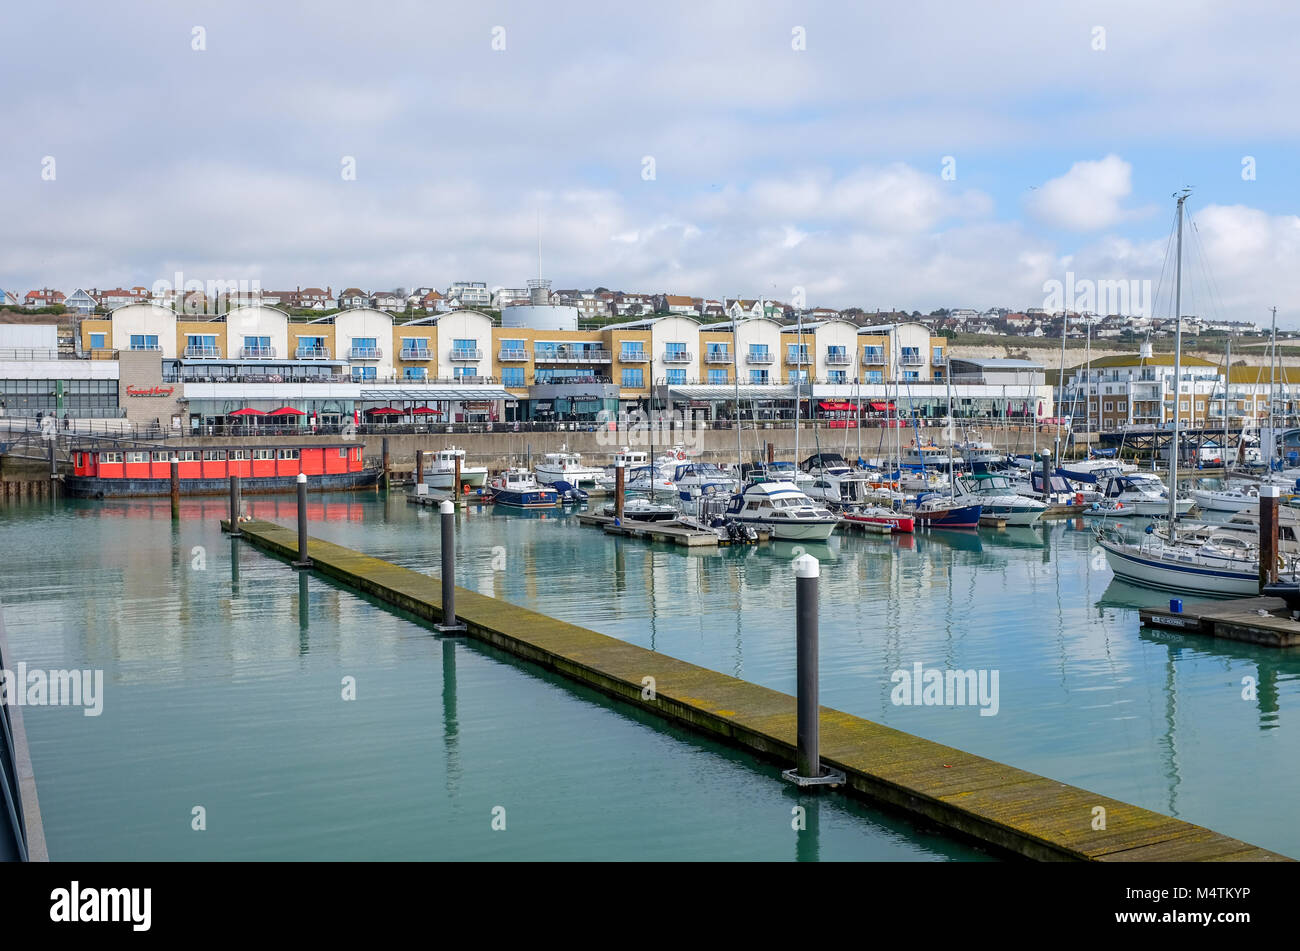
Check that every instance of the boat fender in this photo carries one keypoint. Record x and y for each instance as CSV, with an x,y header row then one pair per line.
x,y
1151,529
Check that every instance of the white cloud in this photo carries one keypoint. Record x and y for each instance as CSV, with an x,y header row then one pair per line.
x,y
1089,197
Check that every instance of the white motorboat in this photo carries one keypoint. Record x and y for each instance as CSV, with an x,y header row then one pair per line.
x,y
849,487
440,472
651,480
644,510
692,478
565,466
1231,499
998,499
1144,492
783,510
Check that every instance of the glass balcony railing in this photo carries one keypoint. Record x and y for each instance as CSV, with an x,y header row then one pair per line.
x,y
416,353
365,353
512,356
761,358
474,354
910,359
257,353
837,359
145,346
677,356
872,358
571,355
798,359
202,353
717,356
311,353
633,356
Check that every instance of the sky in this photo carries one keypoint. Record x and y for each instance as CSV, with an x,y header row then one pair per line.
x,y
910,156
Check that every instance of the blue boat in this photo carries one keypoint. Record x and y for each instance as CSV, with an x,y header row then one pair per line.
x,y
518,489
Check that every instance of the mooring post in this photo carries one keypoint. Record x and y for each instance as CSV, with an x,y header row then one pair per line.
x,y
234,506
419,466
620,479
384,461
808,764
1268,499
176,485
54,466
771,453
455,482
1047,474
303,561
449,622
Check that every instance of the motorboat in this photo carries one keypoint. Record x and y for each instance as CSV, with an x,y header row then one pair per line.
x,y
652,480
1229,499
898,522
440,472
518,488
998,499
641,509
1145,492
846,488
940,511
565,466
783,510
1111,508
1093,471
690,476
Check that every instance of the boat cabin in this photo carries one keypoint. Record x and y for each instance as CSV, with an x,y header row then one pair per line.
x,y
217,462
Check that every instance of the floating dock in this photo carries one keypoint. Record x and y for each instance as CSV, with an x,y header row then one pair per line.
x,y
654,531
1004,808
1259,620
22,833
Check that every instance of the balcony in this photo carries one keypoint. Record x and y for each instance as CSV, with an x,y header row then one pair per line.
x,y
837,359
467,355
717,356
678,356
911,359
365,353
938,360
148,346
872,358
633,356
572,355
762,358
202,353
513,356
419,353
798,360
312,353
257,353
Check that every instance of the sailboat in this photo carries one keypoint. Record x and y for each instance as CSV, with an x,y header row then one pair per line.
x,y
1225,563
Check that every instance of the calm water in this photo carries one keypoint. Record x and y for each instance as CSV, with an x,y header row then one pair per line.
x,y
1086,695
224,678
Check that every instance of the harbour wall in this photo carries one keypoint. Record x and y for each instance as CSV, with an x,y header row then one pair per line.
x,y
1006,809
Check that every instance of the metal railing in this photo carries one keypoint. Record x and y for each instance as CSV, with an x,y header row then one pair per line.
x,y
257,353
365,353
467,354
512,356
312,353
760,359
633,356
677,356
717,356
838,359
911,359
153,346
571,355
871,358
203,353
798,359
938,361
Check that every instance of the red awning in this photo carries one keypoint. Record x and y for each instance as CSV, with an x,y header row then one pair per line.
x,y
882,407
838,407
426,411
384,411
286,411
247,411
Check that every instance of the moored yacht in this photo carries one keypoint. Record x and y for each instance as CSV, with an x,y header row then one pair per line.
x,y
441,470
1145,493
998,499
565,466
518,488
782,509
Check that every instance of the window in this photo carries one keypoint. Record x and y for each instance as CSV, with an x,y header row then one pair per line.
x,y
798,376
873,354
415,345
911,375
96,341
675,351
161,457
676,376
758,376
633,377
719,351
795,352
263,453
836,354
759,352
144,341
110,457
938,354
718,376
464,344
286,454
238,455
1182,406
257,344
632,348
1122,406
1109,406
137,457
874,376
462,372
214,455
837,376
363,373
414,373
512,376
200,345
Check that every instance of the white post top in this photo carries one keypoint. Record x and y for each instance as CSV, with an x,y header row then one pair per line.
x,y
446,508
618,463
302,477
1045,451
806,566
1270,491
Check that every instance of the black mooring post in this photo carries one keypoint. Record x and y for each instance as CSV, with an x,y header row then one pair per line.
x,y
808,769
303,561
449,623
176,486
234,507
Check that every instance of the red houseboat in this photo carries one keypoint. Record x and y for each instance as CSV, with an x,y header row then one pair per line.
x,y
146,470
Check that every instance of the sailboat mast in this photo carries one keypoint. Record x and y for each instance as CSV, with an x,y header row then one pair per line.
x,y
1060,395
798,389
1272,391
1174,445
1227,390
735,372
952,476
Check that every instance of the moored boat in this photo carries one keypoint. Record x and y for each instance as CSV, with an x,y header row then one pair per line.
x,y
517,488
782,509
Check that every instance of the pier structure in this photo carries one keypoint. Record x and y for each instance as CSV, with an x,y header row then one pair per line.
x,y
1006,809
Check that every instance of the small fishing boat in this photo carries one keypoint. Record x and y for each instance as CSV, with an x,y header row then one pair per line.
x,y
516,487
782,509
440,472
878,515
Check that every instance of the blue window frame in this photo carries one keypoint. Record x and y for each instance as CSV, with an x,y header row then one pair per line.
x,y
675,349
632,348
719,351
363,373
874,376
837,376
677,376
96,341
718,376
633,377
512,376
459,372
144,341
759,351
412,373
758,376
